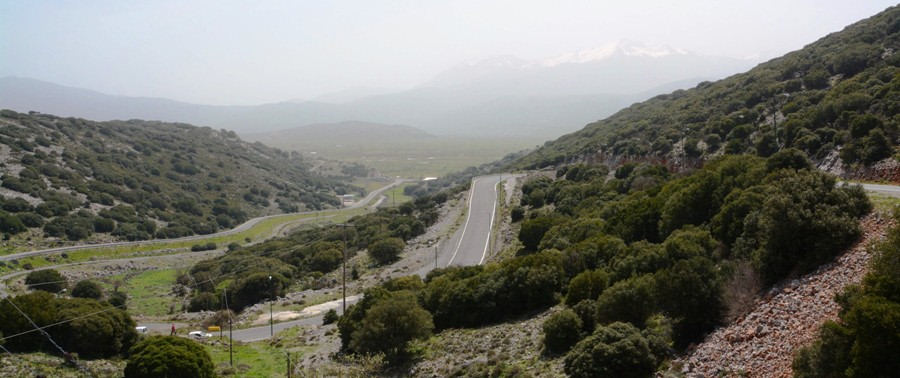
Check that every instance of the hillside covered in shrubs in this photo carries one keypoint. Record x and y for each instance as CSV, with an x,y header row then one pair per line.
x,y
838,93
70,178
645,263
302,257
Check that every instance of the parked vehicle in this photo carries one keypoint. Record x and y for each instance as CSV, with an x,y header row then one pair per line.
x,y
199,334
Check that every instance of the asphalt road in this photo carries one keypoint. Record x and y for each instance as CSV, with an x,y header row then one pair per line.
x,y
242,227
473,239
889,190
468,246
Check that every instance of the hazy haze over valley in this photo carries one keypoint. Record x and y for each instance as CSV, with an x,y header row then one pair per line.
x,y
470,68
472,188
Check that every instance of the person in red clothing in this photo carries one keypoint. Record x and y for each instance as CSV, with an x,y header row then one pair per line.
x,y
173,330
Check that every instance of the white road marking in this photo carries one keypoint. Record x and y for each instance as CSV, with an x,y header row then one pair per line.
x,y
466,225
490,226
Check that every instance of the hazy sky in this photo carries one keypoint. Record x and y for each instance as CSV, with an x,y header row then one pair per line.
x,y
249,52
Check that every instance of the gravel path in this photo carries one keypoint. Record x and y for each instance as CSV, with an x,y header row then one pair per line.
x,y
763,342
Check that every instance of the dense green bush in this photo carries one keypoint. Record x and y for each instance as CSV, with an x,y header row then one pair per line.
x,y
690,294
465,297
330,316
104,225
561,331
389,325
204,302
87,289
31,219
804,222
203,247
630,300
169,356
11,224
86,326
533,230
48,280
118,299
256,287
587,312
616,350
387,250
516,214
586,285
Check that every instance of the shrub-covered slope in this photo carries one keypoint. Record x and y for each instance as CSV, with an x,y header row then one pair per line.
x,y
647,263
134,180
842,91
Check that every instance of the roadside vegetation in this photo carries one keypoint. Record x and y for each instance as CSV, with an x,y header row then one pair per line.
x,y
864,341
264,271
642,262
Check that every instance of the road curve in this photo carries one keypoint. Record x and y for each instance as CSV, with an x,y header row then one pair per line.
x,y
468,246
472,242
240,228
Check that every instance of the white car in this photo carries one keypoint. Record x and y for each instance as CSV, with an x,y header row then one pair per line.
x,y
141,329
199,334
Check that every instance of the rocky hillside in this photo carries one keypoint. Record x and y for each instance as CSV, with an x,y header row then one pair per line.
x,y
839,93
76,179
763,342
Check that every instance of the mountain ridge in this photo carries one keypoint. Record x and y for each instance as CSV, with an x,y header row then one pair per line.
x,y
541,102
835,94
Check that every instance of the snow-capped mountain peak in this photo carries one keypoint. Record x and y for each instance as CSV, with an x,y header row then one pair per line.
x,y
626,48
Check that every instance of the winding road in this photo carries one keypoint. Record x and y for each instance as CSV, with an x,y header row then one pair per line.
x,y
468,246
240,228
472,241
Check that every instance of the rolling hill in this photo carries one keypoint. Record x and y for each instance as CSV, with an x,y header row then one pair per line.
x,y
76,179
835,98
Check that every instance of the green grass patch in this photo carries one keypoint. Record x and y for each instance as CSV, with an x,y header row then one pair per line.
x,y
884,203
259,231
423,157
396,197
261,358
148,292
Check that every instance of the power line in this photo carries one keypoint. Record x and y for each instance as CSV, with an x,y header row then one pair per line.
x,y
65,354
41,329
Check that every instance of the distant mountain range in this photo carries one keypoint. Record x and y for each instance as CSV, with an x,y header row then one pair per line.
x,y
497,96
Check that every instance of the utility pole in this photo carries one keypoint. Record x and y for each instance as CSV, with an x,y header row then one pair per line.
x,y
230,334
344,273
271,319
288,354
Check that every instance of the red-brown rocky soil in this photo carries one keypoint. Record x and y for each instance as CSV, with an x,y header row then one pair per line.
x,y
763,342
